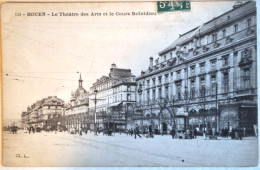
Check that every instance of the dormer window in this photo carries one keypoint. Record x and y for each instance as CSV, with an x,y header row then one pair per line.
x,y
228,17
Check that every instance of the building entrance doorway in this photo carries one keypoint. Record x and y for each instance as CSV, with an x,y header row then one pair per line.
x,y
164,127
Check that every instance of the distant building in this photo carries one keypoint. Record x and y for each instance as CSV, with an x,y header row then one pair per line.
x,y
24,120
79,100
41,111
114,93
77,110
205,79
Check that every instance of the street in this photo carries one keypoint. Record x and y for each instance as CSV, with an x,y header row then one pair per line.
x,y
63,149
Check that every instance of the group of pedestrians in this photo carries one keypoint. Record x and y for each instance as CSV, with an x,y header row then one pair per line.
x,y
234,133
181,134
31,129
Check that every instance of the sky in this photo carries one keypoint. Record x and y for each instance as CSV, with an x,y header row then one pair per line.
x,y
43,55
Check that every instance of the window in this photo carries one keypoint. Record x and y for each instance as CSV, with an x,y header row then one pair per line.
x,y
235,28
214,37
148,83
148,95
153,94
202,82
246,78
213,84
171,55
160,80
154,81
225,82
164,57
178,92
224,32
202,67
179,74
225,60
249,23
213,64
128,88
166,92
192,93
128,97
140,98
236,53
166,78
160,93
192,70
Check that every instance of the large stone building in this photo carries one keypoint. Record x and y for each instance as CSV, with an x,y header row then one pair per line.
x,y
77,110
113,95
79,100
207,78
38,114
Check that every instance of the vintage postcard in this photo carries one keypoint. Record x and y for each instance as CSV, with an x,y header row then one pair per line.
x,y
129,84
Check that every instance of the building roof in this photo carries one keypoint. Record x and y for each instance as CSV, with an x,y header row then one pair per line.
x,y
211,25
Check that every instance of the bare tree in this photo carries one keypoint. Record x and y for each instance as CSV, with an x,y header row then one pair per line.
x,y
162,105
139,107
171,109
128,109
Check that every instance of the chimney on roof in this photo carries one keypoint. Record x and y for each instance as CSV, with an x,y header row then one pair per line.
x,y
157,61
151,61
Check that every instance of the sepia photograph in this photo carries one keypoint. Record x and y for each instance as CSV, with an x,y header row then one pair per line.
x,y
129,84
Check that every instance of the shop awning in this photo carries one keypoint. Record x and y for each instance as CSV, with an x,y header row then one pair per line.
x,y
115,104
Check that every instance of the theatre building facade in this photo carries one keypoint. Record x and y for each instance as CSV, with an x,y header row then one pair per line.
x,y
206,79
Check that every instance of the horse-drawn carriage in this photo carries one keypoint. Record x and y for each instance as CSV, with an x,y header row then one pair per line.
x,y
13,129
107,132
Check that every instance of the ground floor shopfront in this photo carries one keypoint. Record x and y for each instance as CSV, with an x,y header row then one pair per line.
x,y
230,116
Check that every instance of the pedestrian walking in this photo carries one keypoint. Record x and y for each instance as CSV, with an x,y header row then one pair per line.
x,y
173,133
80,132
244,132
137,132
240,133
195,133
190,134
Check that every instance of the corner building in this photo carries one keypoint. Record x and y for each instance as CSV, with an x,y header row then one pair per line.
x,y
207,78
76,111
115,94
